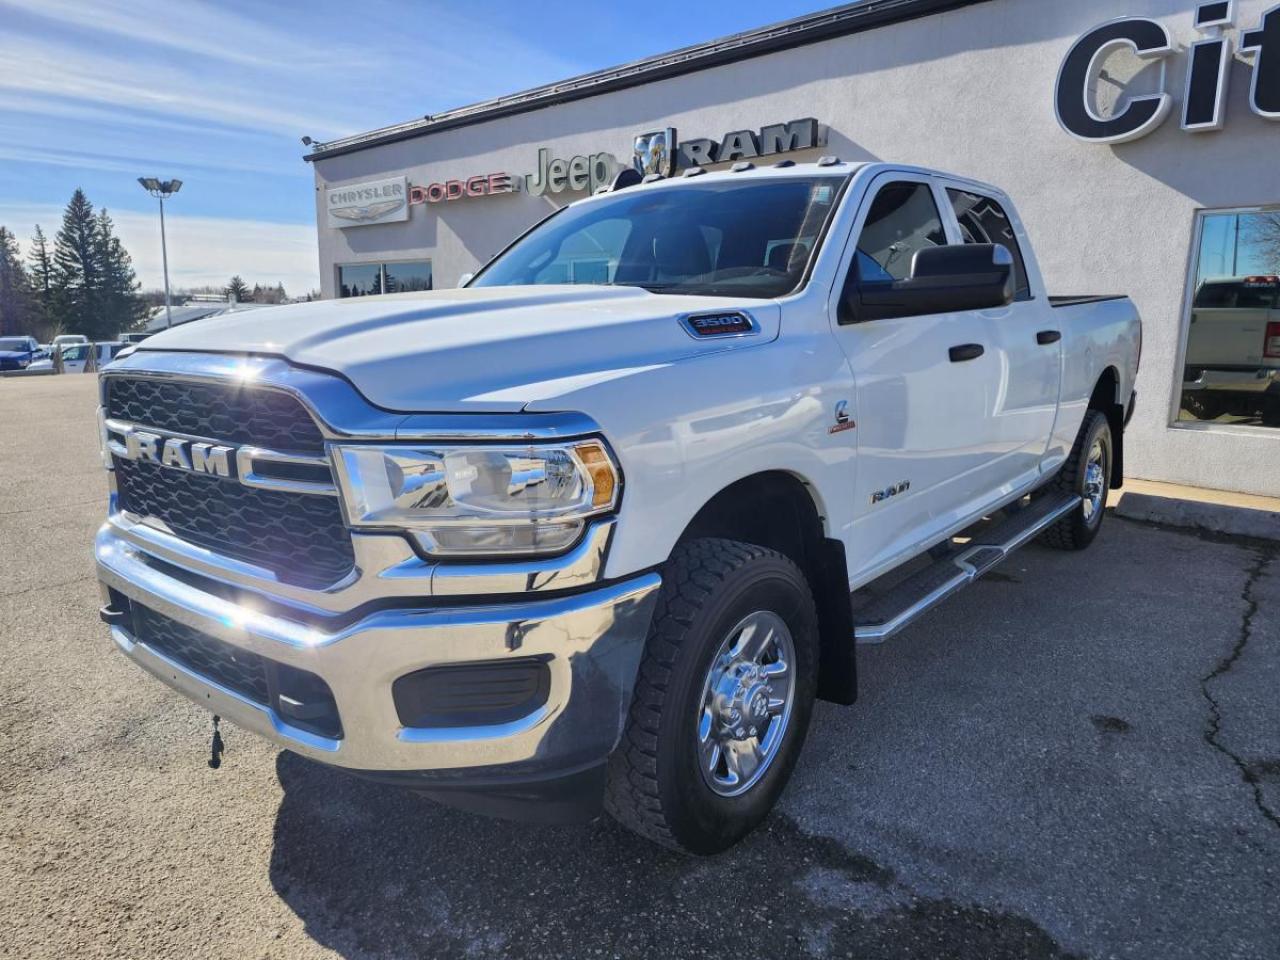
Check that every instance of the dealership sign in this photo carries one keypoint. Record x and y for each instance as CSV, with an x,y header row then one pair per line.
x,y
661,153
1208,74
375,201
484,185
657,153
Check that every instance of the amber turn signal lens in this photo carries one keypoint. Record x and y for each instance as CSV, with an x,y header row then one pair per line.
x,y
604,481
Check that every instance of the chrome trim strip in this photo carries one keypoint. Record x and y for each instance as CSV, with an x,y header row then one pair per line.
x,y
339,409
386,567
246,456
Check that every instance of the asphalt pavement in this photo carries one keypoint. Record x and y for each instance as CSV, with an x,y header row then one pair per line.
x,y
1079,757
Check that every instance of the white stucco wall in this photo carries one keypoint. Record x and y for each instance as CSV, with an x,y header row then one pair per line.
x,y
969,91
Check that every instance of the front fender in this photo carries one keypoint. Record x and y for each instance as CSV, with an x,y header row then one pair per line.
x,y
684,431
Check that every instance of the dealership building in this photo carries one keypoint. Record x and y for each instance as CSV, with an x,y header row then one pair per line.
x,y
1140,140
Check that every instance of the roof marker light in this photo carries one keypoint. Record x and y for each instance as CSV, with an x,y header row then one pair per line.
x,y
742,167
828,161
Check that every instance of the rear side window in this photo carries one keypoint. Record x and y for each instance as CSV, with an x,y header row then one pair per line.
x,y
903,220
982,220
1238,294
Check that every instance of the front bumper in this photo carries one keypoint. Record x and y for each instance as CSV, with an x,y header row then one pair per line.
x,y
591,641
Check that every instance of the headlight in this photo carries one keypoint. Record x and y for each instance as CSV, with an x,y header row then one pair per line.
x,y
476,500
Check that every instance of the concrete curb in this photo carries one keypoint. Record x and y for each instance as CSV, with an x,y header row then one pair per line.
x,y
1215,511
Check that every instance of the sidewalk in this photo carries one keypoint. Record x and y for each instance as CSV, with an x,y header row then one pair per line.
x,y
1215,511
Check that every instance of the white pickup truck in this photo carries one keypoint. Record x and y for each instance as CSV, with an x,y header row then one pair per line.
x,y
537,548
1233,350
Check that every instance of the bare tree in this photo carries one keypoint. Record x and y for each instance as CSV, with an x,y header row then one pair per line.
x,y
1262,234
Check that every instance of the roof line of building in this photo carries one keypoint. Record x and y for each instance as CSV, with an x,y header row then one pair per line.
x,y
811,28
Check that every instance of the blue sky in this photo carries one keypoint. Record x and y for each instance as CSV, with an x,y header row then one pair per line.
x,y
95,93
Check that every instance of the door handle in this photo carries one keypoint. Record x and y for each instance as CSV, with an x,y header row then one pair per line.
x,y
1046,337
966,351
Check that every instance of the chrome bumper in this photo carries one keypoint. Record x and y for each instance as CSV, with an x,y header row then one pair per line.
x,y
592,642
1265,380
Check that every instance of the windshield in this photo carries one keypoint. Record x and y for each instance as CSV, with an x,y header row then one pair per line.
x,y
76,351
14,344
721,238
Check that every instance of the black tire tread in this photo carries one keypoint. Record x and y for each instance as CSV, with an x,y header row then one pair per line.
x,y
1064,534
696,569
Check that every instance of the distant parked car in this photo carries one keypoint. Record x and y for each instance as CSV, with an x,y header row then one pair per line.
x,y
76,355
64,338
18,353
136,337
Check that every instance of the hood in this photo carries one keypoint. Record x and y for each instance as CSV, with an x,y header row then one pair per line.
x,y
14,354
481,349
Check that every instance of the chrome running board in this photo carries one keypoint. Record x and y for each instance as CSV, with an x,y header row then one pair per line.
x,y
915,596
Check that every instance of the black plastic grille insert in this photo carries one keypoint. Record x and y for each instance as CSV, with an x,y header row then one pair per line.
x,y
226,412
239,670
300,537
301,697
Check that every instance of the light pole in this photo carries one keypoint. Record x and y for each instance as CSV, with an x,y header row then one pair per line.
x,y
162,190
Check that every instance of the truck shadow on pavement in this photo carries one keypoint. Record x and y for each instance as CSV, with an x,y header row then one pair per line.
x,y
378,871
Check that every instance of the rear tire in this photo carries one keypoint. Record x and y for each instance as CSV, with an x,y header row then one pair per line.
x,y
687,773
1086,474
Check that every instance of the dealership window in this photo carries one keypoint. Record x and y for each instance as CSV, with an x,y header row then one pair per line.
x,y
982,220
366,279
1231,371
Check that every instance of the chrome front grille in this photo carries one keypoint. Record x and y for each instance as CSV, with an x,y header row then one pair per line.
x,y
300,537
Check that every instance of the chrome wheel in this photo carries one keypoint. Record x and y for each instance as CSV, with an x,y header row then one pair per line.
x,y
1095,483
746,703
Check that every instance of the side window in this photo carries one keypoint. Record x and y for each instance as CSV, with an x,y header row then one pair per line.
x,y
903,219
982,220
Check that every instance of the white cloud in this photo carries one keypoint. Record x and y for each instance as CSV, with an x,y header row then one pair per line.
x,y
202,250
63,70
195,28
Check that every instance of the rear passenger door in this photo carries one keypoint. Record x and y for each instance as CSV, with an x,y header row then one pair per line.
x,y
1025,337
923,385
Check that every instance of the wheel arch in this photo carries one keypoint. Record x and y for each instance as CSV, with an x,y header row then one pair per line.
x,y
783,511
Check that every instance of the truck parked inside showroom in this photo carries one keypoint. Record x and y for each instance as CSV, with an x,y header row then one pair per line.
x,y
544,549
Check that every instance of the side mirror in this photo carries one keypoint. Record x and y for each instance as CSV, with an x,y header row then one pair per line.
x,y
972,276
465,279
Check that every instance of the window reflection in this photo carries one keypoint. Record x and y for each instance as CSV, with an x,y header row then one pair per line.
x,y
359,279
1232,372
367,279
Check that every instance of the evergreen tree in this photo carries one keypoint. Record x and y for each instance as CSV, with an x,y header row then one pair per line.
x,y
16,307
119,306
76,278
238,289
41,273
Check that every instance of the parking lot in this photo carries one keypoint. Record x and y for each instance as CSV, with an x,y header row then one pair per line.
x,y
1078,757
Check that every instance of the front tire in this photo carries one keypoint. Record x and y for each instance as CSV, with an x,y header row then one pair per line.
x,y
1087,474
723,698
